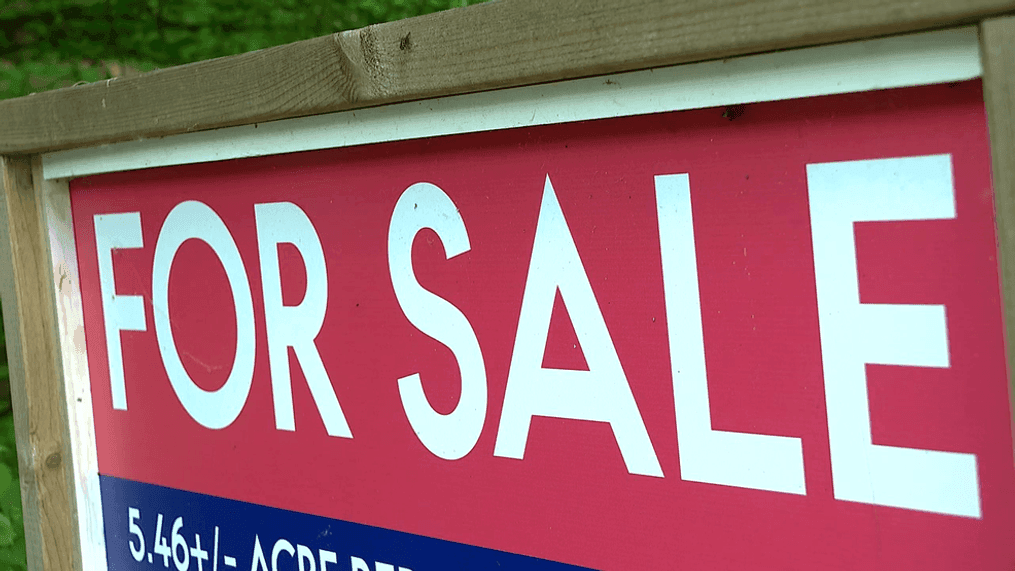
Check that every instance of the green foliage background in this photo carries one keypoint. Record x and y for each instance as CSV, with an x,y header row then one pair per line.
x,y
45,44
12,528
48,44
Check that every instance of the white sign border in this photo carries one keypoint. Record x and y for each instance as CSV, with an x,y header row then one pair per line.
x,y
884,63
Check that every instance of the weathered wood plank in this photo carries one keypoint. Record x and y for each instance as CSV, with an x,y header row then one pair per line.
x,y
997,40
54,198
40,408
937,56
500,44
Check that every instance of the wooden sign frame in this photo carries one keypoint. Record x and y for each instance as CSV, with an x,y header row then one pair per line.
x,y
396,70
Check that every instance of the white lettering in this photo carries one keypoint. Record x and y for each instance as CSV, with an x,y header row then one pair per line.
x,y
120,312
744,460
257,562
305,556
295,326
449,436
854,334
600,394
327,557
281,545
218,408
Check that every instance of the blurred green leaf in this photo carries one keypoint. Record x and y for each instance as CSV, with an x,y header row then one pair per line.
x,y
6,532
10,503
5,477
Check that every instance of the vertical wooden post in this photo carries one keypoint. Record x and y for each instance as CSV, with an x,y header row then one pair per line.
x,y
40,407
997,46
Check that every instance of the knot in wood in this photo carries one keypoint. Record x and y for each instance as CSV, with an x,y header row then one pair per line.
x,y
53,460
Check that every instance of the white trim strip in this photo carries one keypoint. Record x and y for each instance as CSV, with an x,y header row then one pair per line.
x,y
77,387
900,61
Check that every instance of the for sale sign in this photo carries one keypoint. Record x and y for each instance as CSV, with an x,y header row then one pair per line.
x,y
763,337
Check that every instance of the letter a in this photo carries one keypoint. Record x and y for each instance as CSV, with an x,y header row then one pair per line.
x,y
600,394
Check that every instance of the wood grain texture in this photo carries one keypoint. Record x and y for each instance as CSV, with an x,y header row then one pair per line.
x,y
40,409
64,276
997,41
503,43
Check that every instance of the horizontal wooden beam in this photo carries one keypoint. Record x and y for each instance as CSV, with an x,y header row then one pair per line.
x,y
503,43
939,56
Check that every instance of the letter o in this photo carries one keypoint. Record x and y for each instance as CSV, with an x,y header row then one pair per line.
x,y
219,408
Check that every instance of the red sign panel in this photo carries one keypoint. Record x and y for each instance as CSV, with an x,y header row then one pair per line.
x,y
770,339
